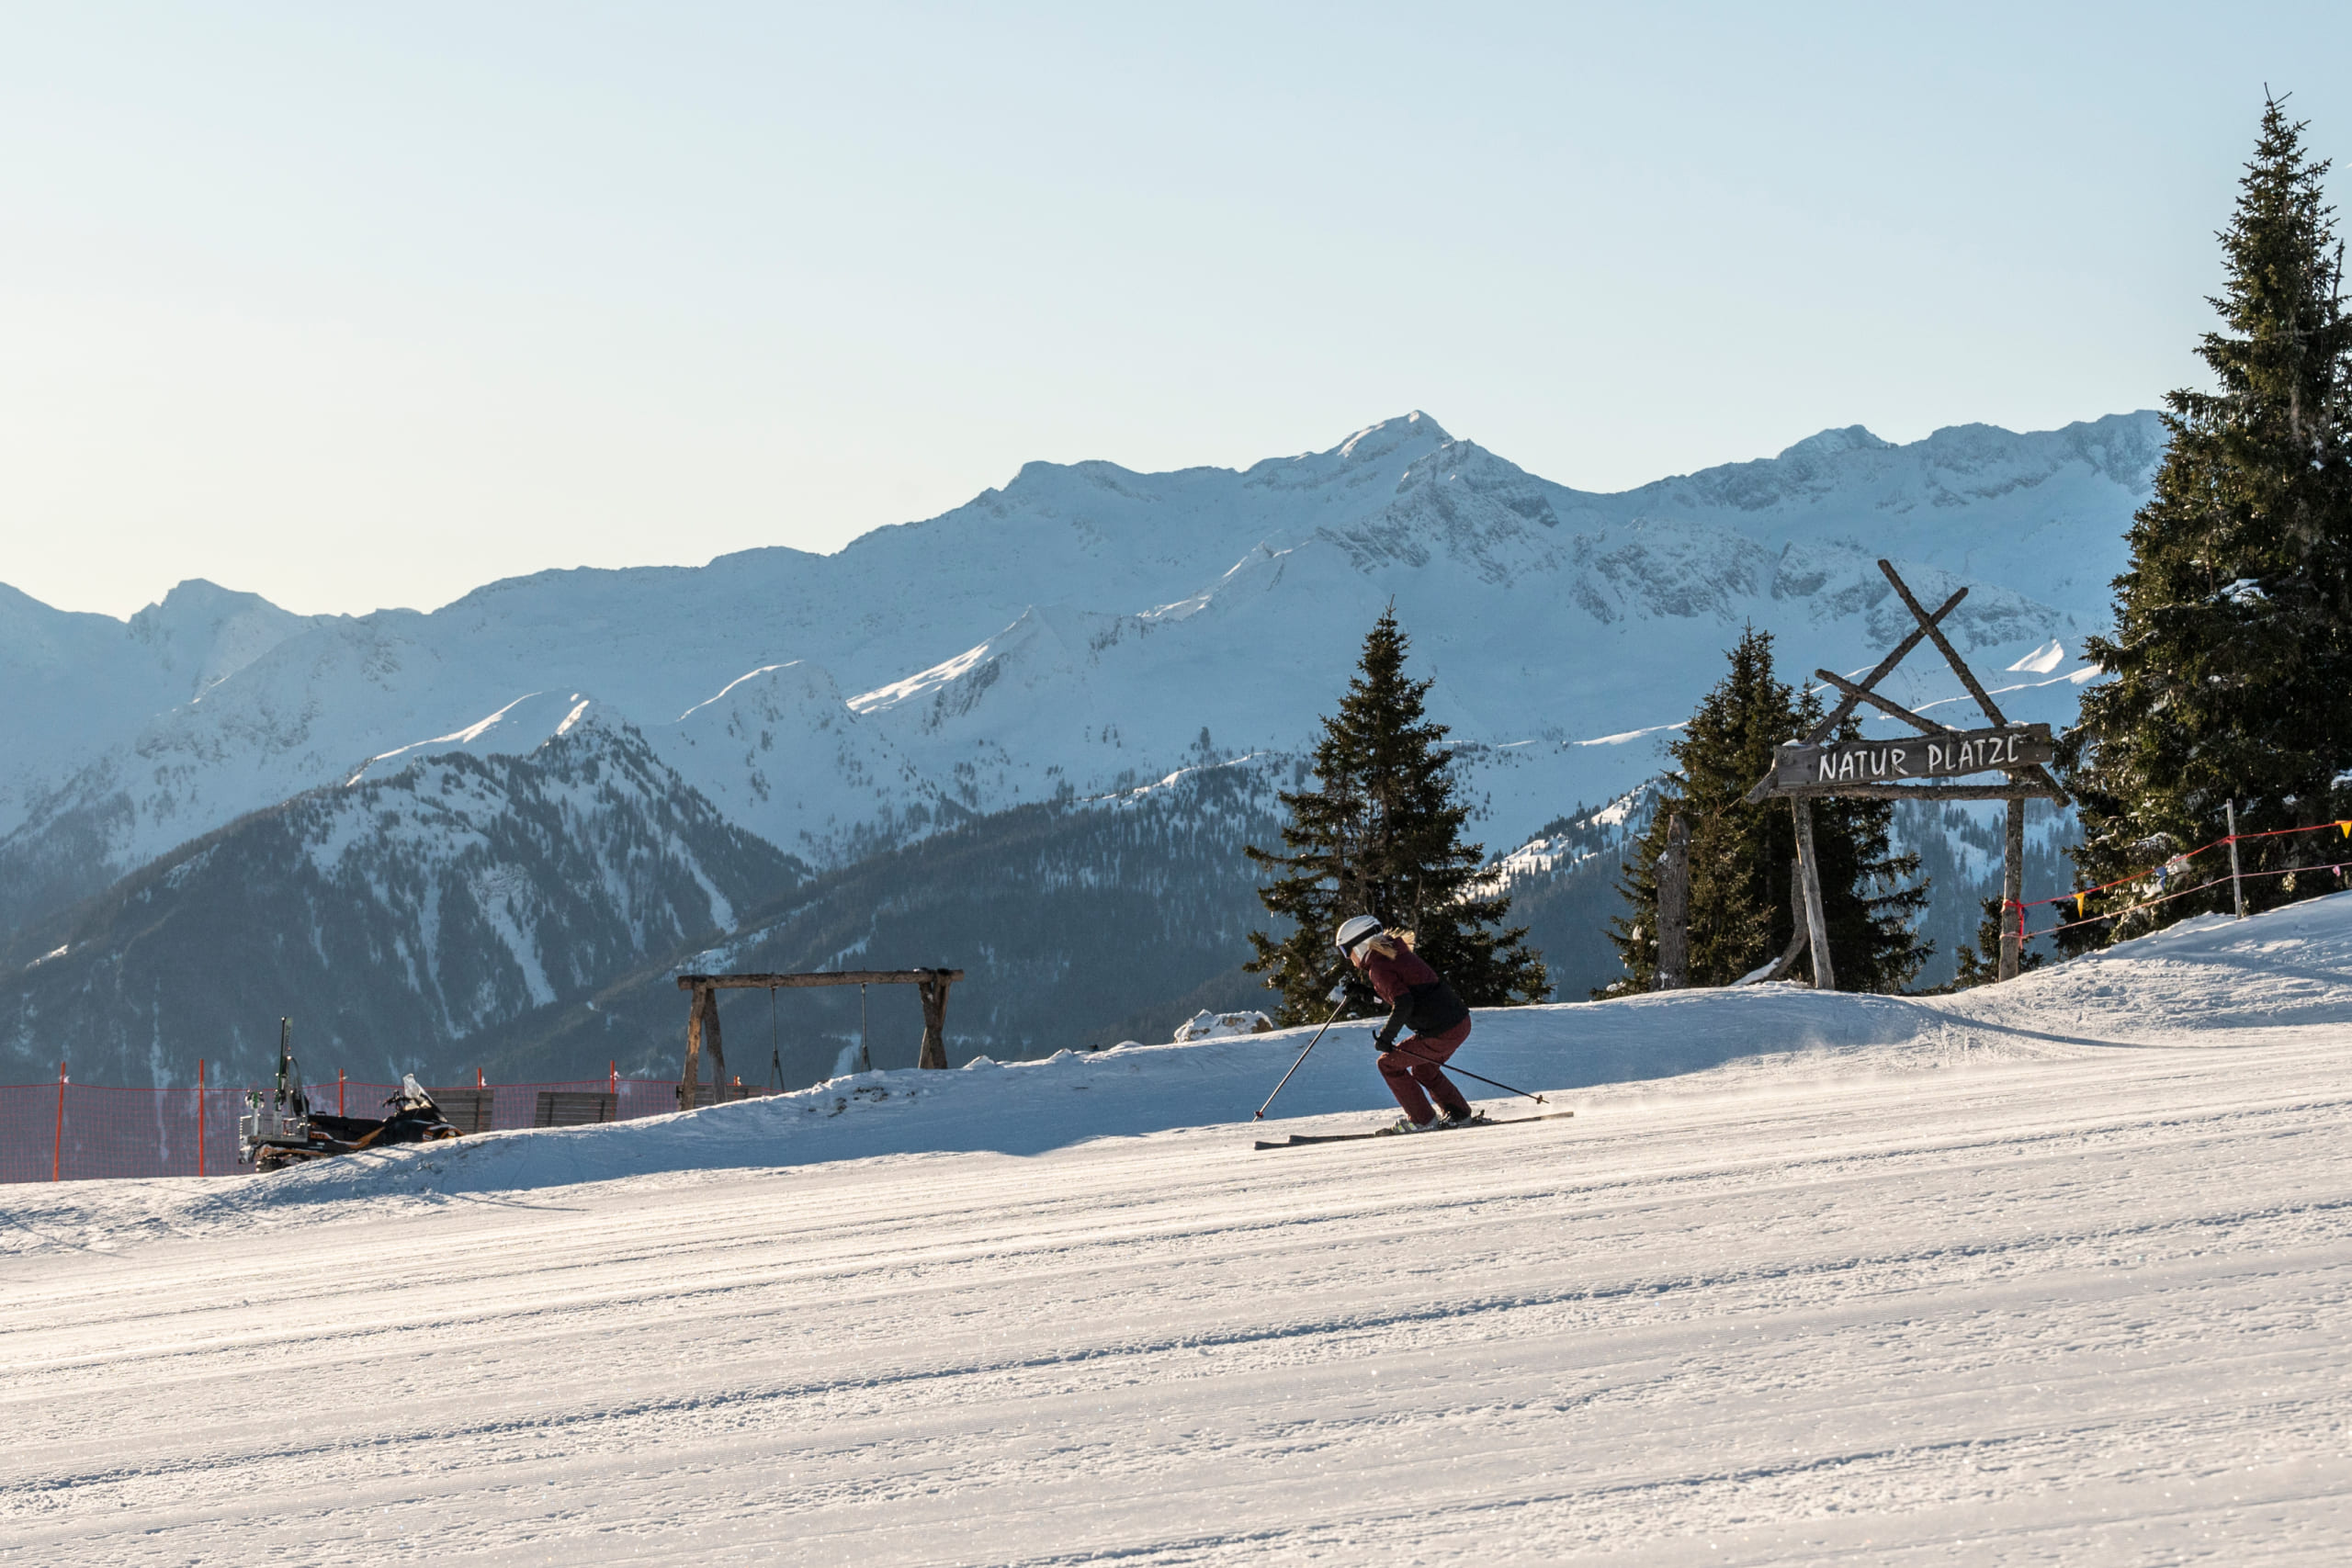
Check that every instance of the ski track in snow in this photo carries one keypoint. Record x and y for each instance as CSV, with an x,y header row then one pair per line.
x,y
2052,1273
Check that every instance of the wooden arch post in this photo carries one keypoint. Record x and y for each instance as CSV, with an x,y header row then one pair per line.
x,y
702,1013
702,1034
935,1017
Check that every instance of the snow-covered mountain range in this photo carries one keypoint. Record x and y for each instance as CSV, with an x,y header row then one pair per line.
x,y
1081,631
1078,629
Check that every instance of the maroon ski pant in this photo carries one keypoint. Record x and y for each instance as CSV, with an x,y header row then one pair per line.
x,y
1412,1066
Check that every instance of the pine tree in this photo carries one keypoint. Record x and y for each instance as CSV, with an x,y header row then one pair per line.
x,y
2231,663
1382,835
1742,856
1739,853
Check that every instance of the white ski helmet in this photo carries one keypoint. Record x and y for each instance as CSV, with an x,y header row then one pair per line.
x,y
1355,931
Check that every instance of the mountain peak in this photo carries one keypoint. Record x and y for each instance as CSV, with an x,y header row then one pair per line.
x,y
210,633
1379,440
1836,443
202,593
196,603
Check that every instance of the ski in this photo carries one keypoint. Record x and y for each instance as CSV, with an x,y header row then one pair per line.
x,y
1298,1140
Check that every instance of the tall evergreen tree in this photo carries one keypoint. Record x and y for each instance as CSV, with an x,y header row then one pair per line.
x,y
2230,662
1382,835
1742,855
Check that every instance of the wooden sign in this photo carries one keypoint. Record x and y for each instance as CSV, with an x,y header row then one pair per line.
x,y
1819,770
1818,766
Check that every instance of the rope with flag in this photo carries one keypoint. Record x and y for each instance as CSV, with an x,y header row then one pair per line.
x,y
2175,868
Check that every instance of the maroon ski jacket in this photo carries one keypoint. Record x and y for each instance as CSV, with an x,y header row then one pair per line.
x,y
1422,1002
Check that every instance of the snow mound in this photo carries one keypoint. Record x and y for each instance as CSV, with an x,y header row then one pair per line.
x,y
1206,1026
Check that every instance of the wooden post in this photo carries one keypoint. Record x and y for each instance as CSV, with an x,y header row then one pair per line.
x,y
2238,888
2012,886
934,1019
1825,978
710,1036
1674,909
687,1079
200,1116
57,1148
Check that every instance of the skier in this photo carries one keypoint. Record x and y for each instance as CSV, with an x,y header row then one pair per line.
x,y
1422,1003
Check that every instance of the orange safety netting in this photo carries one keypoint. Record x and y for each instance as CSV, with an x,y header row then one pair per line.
x,y
67,1130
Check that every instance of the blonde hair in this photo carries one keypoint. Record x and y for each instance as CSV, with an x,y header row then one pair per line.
x,y
1385,943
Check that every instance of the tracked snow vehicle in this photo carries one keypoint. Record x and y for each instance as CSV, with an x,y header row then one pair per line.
x,y
280,1129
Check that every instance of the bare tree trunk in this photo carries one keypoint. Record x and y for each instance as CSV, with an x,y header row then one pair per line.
x,y
1825,976
2012,887
1674,909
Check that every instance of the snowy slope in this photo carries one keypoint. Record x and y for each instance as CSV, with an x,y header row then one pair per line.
x,y
1079,628
782,754
2055,1273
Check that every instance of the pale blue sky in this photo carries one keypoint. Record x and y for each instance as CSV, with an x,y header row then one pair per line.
x,y
365,306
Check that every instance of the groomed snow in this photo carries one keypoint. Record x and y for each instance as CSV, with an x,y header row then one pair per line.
x,y
2055,1272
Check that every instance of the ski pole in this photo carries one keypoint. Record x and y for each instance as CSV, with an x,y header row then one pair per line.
x,y
1302,1059
1446,1067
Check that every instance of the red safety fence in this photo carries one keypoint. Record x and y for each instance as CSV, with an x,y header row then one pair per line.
x,y
67,1130
2151,886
